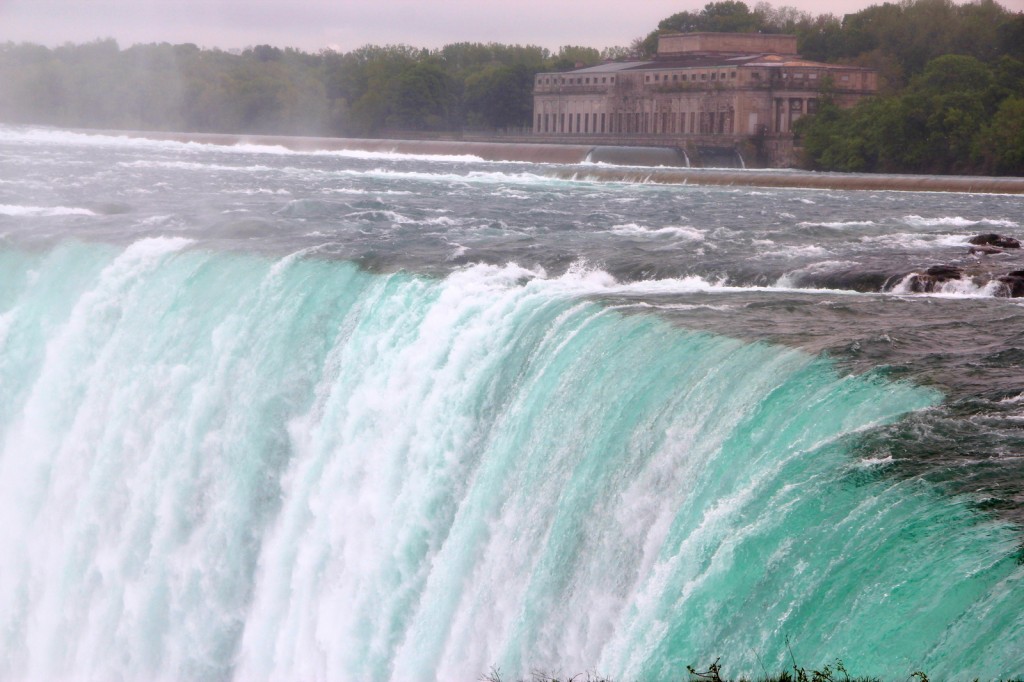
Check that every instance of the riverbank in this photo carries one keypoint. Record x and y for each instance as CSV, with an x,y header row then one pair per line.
x,y
575,154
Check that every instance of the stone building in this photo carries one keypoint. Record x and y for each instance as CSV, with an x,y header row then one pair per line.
x,y
702,91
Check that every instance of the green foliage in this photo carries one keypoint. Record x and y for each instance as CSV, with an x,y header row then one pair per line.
x,y
500,96
1000,144
574,57
907,35
725,16
959,115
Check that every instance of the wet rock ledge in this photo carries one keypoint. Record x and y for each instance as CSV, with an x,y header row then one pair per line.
x,y
984,272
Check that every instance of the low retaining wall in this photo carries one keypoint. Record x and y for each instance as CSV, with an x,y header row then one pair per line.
x,y
489,151
861,181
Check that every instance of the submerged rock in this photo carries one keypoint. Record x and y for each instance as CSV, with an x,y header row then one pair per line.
x,y
933,278
993,239
1011,284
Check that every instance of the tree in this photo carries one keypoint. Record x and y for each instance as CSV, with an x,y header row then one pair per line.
x,y
575,56
1001,142
500,96
725,16
421,98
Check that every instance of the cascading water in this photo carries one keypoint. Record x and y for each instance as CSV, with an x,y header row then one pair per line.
x,y
230,452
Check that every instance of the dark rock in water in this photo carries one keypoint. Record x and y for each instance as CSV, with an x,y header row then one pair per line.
x,y
1012,284
932,278
992,239
944,272
854,279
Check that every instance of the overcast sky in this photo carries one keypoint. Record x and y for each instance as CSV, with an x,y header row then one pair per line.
x,y
347,24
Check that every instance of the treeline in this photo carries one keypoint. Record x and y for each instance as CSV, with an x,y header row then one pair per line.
x,y
951,93
960,115
951,99
265,89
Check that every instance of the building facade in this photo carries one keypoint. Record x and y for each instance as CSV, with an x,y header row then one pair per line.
x,y
701,90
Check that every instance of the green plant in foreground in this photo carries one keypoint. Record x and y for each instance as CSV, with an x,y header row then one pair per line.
x,y
539,676
711,674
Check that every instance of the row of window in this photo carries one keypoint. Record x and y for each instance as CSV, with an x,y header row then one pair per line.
x,y
704,123
799,75
580,80
675,78
715,75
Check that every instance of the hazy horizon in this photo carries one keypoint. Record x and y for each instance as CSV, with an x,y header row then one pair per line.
x,y
319,24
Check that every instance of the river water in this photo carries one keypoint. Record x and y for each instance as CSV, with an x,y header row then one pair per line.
x,y
363,416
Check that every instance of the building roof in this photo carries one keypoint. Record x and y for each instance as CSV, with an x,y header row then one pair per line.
x,y
607,67
698,60
710,61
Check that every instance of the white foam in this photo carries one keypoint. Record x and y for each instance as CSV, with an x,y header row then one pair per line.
x,y
155,247
42,211
838,225
156,220
440,220
582,279
791,279
473,177
909,240
954,288
400,156
31,135
396,218
258,190
687,306
956,221
872,462
194,166
459,251
352,190
791,251
681,231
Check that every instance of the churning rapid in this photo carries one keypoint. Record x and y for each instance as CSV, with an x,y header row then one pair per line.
x,y
364,416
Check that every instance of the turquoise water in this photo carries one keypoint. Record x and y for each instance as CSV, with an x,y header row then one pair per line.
x,y
232,466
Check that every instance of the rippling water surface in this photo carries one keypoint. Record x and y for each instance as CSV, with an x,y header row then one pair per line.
x,y
366,416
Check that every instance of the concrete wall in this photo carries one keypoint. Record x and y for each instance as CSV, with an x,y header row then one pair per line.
x,y
575,153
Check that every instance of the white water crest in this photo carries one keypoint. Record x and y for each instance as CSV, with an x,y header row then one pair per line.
x,y
41,211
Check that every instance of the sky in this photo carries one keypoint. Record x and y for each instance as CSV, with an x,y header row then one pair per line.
x,y
347,24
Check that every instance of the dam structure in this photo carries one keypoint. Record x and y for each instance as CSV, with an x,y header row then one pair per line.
x,y
721,98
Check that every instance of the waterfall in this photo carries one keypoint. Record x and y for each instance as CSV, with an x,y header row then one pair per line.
x,y
229,466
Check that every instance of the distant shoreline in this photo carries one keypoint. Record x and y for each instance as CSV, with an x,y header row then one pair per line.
x,y
575,154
